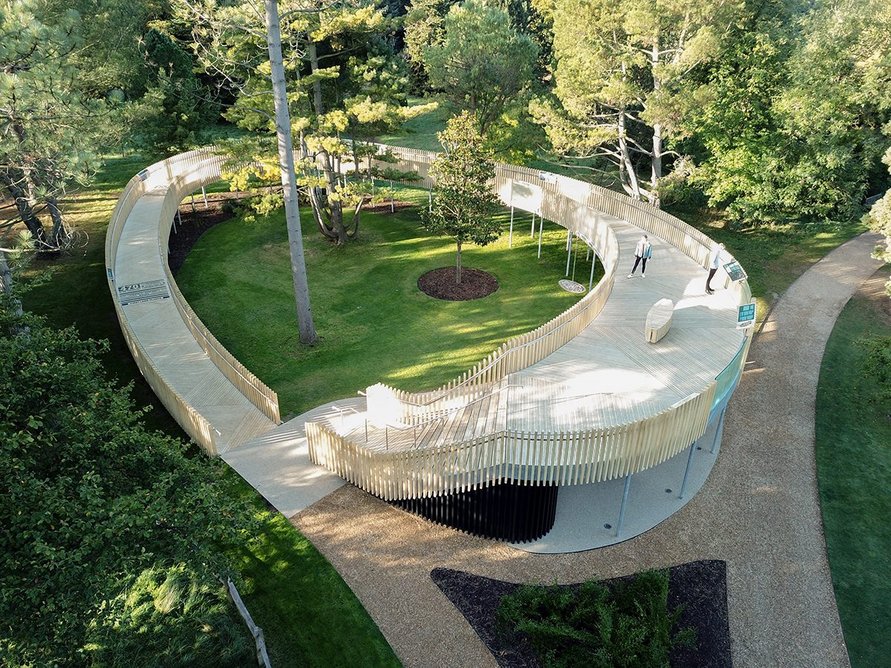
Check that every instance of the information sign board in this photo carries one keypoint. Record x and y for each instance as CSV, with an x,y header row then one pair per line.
x,y
745,316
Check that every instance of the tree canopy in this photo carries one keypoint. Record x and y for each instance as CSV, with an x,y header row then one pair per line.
x,y
90,502
482,64
463,203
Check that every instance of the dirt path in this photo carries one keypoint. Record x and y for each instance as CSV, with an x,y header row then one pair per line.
x,y
759,511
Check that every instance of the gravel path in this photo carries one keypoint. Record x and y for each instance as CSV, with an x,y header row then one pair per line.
x,y
759,511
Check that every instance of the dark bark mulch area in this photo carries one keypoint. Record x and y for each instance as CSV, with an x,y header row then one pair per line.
x,y
194,224
700,586
440,284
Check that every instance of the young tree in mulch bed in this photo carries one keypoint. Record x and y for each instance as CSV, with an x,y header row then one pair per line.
x,y
463,205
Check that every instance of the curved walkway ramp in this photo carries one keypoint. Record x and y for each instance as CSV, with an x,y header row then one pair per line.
x,y
218,402
758,511
582,399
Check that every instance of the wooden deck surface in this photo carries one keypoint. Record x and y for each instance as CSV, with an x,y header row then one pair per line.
x,y
166,339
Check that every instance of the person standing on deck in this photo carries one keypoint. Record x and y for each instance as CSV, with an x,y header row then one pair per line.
x,y
713,264
642,252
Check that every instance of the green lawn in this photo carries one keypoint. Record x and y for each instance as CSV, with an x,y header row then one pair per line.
x,y
420,132
373,321
853,434
309,615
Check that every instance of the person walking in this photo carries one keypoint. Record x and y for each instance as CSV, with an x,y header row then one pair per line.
x,y
642,252
713,264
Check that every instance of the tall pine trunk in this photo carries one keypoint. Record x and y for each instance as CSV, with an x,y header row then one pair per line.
x,y
288,177
13,183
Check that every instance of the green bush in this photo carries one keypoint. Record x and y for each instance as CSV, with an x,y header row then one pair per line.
x,y
626,624
89,498
172,617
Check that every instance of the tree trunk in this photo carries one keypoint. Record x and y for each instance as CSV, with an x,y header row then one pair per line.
x,y
632,187
333,204
305,324
6,284
656,158
458,265
58,225
13,185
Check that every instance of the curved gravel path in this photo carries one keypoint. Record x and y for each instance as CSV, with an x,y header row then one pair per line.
x,y
759,511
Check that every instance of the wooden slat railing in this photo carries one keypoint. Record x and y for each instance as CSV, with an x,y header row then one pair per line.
x,y
176,177
532,458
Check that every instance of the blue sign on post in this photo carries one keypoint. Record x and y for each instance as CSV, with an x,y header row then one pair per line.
x,y
745,315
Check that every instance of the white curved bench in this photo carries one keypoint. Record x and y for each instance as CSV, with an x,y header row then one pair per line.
x,y
658,320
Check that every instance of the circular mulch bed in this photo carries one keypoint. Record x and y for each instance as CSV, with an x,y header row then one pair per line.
x,y
440,284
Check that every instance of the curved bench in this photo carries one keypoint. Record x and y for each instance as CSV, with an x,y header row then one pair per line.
x,y
658,320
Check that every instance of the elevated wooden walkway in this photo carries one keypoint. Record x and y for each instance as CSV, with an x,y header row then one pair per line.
x,y
218,402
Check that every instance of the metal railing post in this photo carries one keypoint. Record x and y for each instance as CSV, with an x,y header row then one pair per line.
x,y
624,503
687,470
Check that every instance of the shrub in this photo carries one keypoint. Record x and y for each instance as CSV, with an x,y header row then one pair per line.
x,y
625,624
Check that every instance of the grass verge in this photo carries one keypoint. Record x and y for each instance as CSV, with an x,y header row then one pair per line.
x,y
373,321
853,441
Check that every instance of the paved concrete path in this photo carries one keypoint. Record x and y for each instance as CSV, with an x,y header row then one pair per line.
x,y
759,511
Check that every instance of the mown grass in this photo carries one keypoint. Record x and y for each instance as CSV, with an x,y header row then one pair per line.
x,y
373,321
853,441
420,131
310,617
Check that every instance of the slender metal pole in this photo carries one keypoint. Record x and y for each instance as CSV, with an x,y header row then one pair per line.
x,y
540,231
192,195
392,204
510,235
575,257
624,503
429,200
591,279
568,253
204,195
532,231
687,470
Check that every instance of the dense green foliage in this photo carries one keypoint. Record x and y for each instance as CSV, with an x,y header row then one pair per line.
x,y
853,433
879,220
791,116
625,624
308,614
482,65
463,204
90,499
